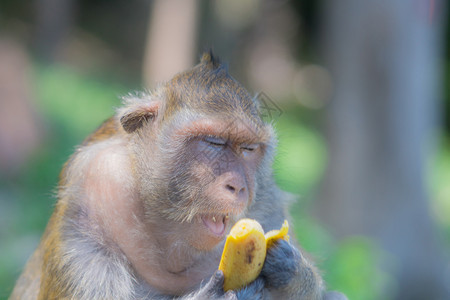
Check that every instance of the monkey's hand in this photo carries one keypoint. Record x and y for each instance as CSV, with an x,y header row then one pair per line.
x,y
213,290
253,291
289,275
283,263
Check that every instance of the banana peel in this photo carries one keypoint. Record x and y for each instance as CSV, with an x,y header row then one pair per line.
x,y
245,251
274,235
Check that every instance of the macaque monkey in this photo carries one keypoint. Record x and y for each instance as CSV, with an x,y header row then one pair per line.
x,y
145,203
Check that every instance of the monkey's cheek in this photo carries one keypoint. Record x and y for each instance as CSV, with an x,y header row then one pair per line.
x,y
205,244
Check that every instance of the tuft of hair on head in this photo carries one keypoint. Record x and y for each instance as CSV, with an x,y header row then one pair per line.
x,y
210,60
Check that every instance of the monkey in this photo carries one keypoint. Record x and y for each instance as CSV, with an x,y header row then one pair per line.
x,y
146,201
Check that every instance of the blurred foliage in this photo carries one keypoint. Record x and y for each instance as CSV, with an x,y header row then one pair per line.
x,y
301,155
352,268
439,180
74,102
446,73
73,105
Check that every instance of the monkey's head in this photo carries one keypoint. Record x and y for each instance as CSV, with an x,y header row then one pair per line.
x,y
199,146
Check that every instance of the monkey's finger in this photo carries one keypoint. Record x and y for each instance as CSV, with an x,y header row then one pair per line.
x,y
213,288
217,278
230,295
216,282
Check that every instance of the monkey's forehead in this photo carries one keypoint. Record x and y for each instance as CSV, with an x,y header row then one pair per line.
x,y
239,129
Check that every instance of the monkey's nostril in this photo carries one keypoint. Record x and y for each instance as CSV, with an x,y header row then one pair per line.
x,y
230,188
237,192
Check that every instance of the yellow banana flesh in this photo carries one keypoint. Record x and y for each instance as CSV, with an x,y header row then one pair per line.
x,y
245,251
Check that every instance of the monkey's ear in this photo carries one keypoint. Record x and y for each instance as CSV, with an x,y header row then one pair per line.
x,y
136,116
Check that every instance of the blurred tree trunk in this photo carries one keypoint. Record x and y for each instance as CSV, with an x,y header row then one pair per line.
x,y
171,39
54,20
21,130
384,58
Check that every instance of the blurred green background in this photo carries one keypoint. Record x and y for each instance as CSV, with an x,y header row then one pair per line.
x,y
75,77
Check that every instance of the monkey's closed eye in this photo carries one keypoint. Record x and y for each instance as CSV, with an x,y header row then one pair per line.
x,y
215,141
250,147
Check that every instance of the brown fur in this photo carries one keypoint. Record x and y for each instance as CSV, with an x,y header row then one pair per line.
x,y
108,129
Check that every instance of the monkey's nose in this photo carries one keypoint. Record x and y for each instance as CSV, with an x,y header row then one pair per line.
x,y
238,190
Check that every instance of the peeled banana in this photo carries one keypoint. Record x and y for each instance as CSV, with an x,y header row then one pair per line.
x,y
245,251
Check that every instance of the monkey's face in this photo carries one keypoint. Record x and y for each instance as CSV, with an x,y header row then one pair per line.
x,y
198,144
208,177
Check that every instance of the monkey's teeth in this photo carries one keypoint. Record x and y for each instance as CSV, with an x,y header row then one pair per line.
x,y
214,219
227,217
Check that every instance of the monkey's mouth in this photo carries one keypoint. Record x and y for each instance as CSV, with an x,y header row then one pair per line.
x,y
216,223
